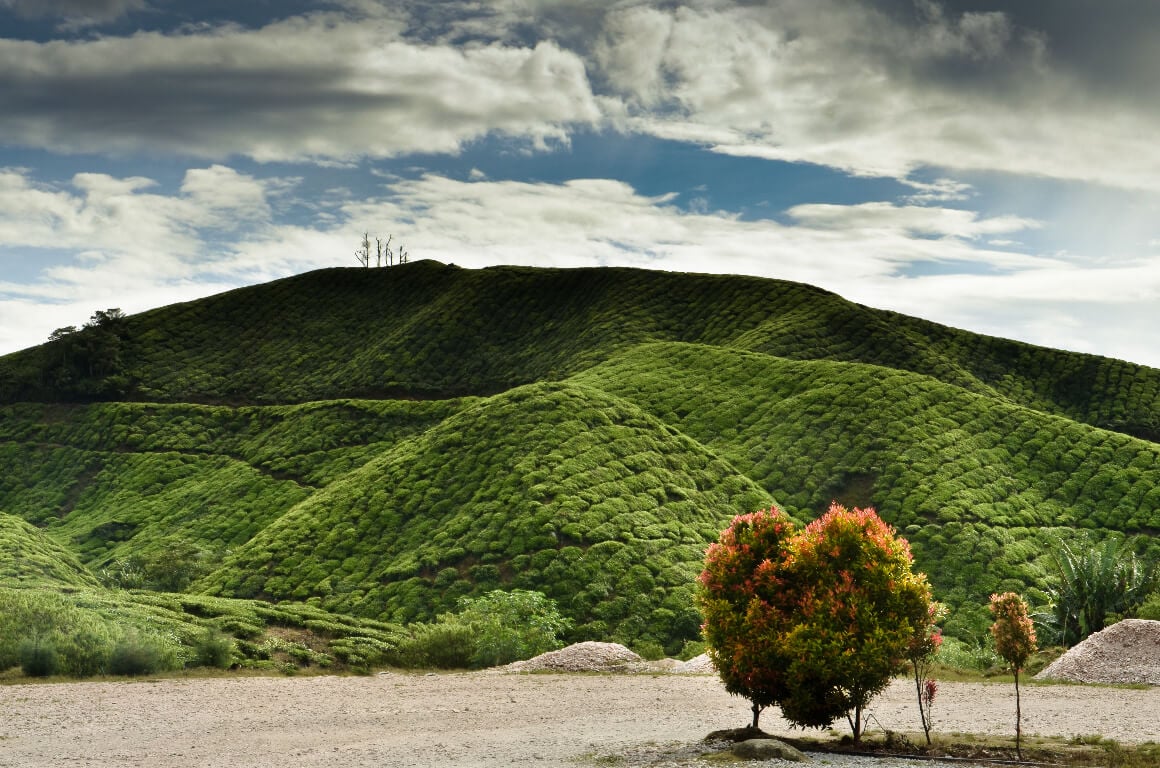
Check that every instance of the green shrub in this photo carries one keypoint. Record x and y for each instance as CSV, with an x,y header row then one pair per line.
x,y
511,626
215,650
39,659
85,650
1151,608
650,650
135,655
957,653
442,644
691,649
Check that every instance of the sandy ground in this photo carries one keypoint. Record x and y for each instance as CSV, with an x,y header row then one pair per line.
x,y
469,719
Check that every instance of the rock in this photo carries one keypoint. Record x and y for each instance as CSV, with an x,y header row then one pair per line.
x,y
768,749
698,665
582,657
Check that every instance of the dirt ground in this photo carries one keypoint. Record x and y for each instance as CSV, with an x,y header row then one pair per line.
x,y
471,719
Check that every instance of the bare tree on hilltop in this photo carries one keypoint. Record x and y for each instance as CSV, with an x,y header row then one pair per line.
x,y
383,253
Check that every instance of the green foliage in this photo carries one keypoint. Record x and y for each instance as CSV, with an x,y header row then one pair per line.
x,y
215,649
1093,581
580,496
445,644
29,556
138,655
976,484
493,629
1150,608
39,659
511,626
817,621
98,631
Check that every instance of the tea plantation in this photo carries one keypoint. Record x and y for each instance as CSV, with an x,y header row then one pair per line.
x,y
322,459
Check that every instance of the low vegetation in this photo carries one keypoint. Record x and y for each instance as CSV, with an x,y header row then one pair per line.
x,y
81,632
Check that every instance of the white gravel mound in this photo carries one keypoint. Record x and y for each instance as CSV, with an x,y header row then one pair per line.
x,y
698,665
1126,652
582,657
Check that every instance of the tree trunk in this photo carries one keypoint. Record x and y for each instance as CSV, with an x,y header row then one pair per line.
x,y
856,723
921,708
756,715
1018,719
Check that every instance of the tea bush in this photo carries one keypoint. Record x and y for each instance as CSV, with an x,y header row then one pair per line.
x,y
136,654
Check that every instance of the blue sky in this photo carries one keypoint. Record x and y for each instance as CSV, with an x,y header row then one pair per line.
x,y
988,165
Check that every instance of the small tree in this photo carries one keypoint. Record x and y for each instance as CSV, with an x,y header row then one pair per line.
x,y
858,607
510,626
921,651
1015,642
817,621
746,608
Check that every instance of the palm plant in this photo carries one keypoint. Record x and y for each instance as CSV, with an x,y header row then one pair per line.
x,y
1094,581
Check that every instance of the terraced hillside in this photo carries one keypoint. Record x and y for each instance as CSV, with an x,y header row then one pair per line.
x,y
380,442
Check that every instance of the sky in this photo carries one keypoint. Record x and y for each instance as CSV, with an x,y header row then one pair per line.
x,y
990,165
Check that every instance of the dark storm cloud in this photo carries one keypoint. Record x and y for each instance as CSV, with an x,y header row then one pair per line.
x,y
1106,45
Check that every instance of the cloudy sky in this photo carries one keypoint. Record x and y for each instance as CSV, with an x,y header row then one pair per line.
x,y
989,164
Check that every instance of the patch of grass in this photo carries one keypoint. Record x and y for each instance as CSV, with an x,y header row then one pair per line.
x,y
95,631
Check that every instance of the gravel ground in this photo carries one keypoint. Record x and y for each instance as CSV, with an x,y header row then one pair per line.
x,y
477,720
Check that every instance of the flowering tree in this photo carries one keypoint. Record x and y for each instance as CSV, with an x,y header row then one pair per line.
x,y
816,621
858,607
923,646
1014,641
746,606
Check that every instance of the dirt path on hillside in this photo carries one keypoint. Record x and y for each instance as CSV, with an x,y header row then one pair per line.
x,y
468,719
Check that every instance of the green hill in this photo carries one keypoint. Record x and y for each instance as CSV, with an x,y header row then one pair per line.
x,y
551,487
381,442
31,557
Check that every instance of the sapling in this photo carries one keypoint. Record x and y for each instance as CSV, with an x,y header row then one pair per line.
x,y
1015,642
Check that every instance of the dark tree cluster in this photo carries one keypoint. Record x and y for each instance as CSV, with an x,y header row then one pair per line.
x,y
89,362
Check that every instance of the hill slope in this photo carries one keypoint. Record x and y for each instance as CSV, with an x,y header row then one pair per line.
x,y
429,330
581,432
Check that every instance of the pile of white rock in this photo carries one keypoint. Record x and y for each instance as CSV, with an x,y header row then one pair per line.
x,y
606,657
1126,652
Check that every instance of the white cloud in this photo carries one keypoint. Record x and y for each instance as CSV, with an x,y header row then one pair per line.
x,y
843,84
320,87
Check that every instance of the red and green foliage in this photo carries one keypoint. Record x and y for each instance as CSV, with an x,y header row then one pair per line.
x,y
921,651
746,606
1014,641
817,621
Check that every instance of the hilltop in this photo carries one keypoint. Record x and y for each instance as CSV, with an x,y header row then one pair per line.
x,y
380,442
